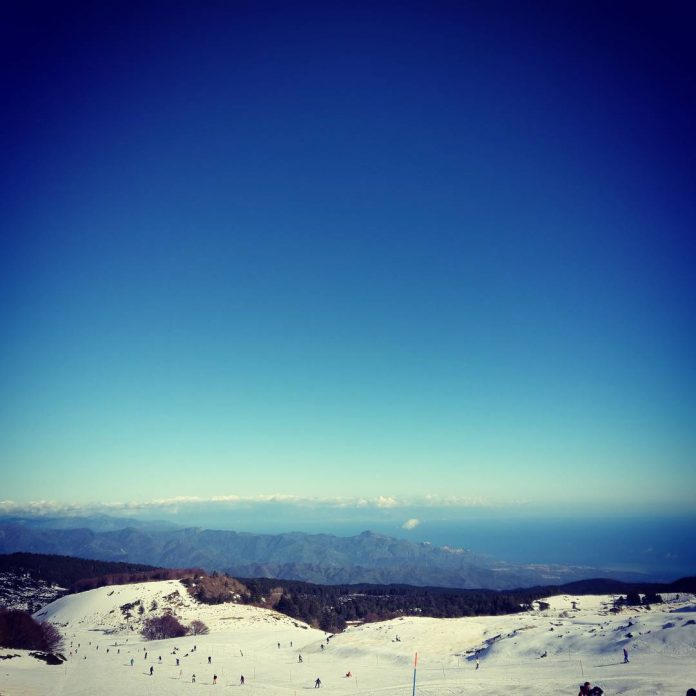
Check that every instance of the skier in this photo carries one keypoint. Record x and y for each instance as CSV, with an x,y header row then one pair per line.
x,y
209,659
193,679
214,679
625,655
131,661
299,658
241,680
317,683
477,663
177,661
584,689
152,669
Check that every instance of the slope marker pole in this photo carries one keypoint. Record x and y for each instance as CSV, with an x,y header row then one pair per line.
x,y
415,667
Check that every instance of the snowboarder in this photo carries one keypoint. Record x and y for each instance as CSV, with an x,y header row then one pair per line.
x,y
241,680
317,683
625,655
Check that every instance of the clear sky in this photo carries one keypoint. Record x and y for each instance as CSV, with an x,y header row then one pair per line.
x,y
349,250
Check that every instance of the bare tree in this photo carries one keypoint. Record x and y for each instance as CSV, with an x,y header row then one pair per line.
x,y
198,628
159,627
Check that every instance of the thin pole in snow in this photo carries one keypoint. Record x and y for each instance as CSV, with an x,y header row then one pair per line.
x,y
415,667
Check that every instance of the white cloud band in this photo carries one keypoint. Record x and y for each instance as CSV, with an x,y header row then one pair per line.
x,y
383,502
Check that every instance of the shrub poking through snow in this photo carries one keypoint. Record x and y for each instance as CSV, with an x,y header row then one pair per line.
x,y
52,636
198,628
19,630
159,627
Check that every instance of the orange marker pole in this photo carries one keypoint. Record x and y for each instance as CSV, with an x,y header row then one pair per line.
x,y
415,666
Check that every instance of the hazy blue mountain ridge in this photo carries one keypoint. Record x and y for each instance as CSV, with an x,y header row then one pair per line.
x,y
320,558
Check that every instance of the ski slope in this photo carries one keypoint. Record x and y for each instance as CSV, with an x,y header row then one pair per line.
x,y
584,643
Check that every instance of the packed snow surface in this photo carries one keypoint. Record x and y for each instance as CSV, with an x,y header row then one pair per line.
x,y
578,637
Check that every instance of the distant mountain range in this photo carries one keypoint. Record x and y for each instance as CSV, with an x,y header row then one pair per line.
x,y
318,558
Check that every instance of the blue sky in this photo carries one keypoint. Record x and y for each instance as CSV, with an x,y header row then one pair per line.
x,y
368,251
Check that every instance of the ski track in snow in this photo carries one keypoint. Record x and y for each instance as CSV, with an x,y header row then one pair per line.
x,y
581,644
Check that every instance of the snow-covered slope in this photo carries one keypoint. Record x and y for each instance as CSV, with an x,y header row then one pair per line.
x,y
581,643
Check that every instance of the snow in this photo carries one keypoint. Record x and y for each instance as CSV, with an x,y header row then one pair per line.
x,y
584,643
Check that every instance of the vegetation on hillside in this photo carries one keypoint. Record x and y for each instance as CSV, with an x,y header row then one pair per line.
x,y
331,607
168,626
215,588
19,630
64,570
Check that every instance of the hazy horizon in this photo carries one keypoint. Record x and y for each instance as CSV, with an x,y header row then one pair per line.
x,y
662,548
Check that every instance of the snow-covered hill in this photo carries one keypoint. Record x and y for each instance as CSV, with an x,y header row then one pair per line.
x,y
582,643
